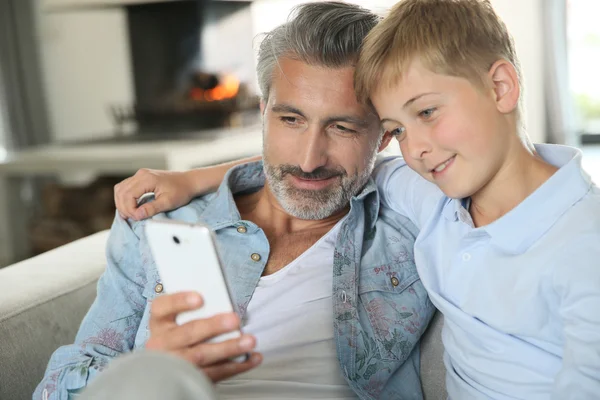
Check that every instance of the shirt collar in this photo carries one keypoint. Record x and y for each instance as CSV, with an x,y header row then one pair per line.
x,y
516,231
222,211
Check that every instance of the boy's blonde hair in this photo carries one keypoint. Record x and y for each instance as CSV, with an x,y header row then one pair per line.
x,y
462,38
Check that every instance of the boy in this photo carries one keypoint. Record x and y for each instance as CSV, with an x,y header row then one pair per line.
x,y
509,252
508,248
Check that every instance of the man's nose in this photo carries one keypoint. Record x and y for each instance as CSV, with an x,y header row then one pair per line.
x,y
313,149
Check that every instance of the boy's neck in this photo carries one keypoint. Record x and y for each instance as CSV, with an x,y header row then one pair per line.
x,y
519,177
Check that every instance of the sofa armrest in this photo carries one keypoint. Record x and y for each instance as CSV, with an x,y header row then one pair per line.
x,y
42,303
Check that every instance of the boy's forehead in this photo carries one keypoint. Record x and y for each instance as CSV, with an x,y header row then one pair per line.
x,y
413,80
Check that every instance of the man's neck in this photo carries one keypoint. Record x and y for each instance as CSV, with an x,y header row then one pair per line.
x,y
263,209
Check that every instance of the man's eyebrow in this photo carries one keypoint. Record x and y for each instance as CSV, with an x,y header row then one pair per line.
x,y
360,122
285,108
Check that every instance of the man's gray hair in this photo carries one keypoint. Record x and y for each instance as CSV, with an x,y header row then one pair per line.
x,y
327,34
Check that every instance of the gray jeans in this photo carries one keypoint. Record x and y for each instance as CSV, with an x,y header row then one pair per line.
x,y
150,376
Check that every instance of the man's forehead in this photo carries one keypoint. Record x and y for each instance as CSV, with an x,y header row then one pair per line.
x,y
305,76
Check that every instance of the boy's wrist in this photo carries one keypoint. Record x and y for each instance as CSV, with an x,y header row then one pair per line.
x,y
198,181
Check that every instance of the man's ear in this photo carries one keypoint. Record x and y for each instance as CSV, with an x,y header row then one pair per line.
x,y
505,85
387,137
263,106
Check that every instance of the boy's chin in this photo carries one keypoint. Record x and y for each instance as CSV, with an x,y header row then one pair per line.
x,y
457,191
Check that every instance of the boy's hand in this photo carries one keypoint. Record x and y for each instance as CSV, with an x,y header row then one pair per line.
x,y
189,341
171,190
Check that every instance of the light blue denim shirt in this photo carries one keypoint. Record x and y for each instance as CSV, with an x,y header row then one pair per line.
x,y
520,296
380,307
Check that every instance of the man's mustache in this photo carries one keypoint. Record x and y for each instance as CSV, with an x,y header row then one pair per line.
x,y
317,174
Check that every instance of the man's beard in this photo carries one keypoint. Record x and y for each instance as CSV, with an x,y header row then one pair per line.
x,y
314,204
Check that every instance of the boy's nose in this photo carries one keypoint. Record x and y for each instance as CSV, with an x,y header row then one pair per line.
x,y
417,145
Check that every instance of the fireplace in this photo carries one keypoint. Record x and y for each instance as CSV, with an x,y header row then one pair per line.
x,y
193,68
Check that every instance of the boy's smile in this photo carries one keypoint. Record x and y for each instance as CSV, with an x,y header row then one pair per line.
x,y
450,131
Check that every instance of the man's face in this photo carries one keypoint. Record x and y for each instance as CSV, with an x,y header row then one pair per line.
x,y
319,143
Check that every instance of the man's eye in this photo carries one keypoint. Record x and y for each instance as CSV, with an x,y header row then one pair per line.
x,y
342,128
427,113
289,120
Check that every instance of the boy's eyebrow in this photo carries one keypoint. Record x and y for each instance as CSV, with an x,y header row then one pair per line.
x,y
417,97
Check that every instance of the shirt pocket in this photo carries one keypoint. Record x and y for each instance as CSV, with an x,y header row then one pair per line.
x,y
388,307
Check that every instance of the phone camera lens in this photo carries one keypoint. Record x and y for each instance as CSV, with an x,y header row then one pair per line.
x,y
176,239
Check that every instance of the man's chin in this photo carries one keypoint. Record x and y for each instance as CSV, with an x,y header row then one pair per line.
x,y
312,209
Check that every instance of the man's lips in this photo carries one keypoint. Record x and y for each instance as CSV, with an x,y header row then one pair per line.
x,y
311,184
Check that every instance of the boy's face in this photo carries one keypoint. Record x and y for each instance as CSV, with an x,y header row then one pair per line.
x,y
450,131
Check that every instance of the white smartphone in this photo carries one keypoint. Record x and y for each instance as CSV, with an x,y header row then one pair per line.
x,y
187,260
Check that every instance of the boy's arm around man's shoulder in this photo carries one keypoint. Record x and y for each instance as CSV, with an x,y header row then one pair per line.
x,y
110,326
404,191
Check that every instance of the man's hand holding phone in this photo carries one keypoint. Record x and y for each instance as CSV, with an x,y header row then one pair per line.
x,y
190,340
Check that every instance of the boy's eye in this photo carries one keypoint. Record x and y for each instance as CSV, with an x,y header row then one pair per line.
x,y
427,113
398,131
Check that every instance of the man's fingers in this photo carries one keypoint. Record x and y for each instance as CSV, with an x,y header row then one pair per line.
x,y
164,308
205,354
228,369
201,330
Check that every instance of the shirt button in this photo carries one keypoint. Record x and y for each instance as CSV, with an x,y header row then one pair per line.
x,y
255,257
343,296
242,229
158,288
466,257
395,281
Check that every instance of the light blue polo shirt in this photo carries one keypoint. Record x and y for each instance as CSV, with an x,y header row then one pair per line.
x,y
520,296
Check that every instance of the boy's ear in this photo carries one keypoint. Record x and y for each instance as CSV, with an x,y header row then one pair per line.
x,y
505,84
387,137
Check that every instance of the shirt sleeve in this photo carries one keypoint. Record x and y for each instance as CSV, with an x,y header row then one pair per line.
x,y
111,324
404,191
578,287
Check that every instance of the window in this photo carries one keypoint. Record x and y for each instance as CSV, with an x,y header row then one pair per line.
x,y
583,38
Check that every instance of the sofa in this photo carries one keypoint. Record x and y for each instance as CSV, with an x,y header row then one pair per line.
x,y
44,299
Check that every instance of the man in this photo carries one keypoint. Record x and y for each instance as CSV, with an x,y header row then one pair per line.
x,y
336,310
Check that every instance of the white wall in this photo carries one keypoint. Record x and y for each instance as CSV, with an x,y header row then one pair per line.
x,y
4,210
86,68
524,20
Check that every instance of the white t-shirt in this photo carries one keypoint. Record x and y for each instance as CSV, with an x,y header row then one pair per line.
x,y
291,315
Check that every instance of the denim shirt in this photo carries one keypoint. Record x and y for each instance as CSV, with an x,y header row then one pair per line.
x,y
380,307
